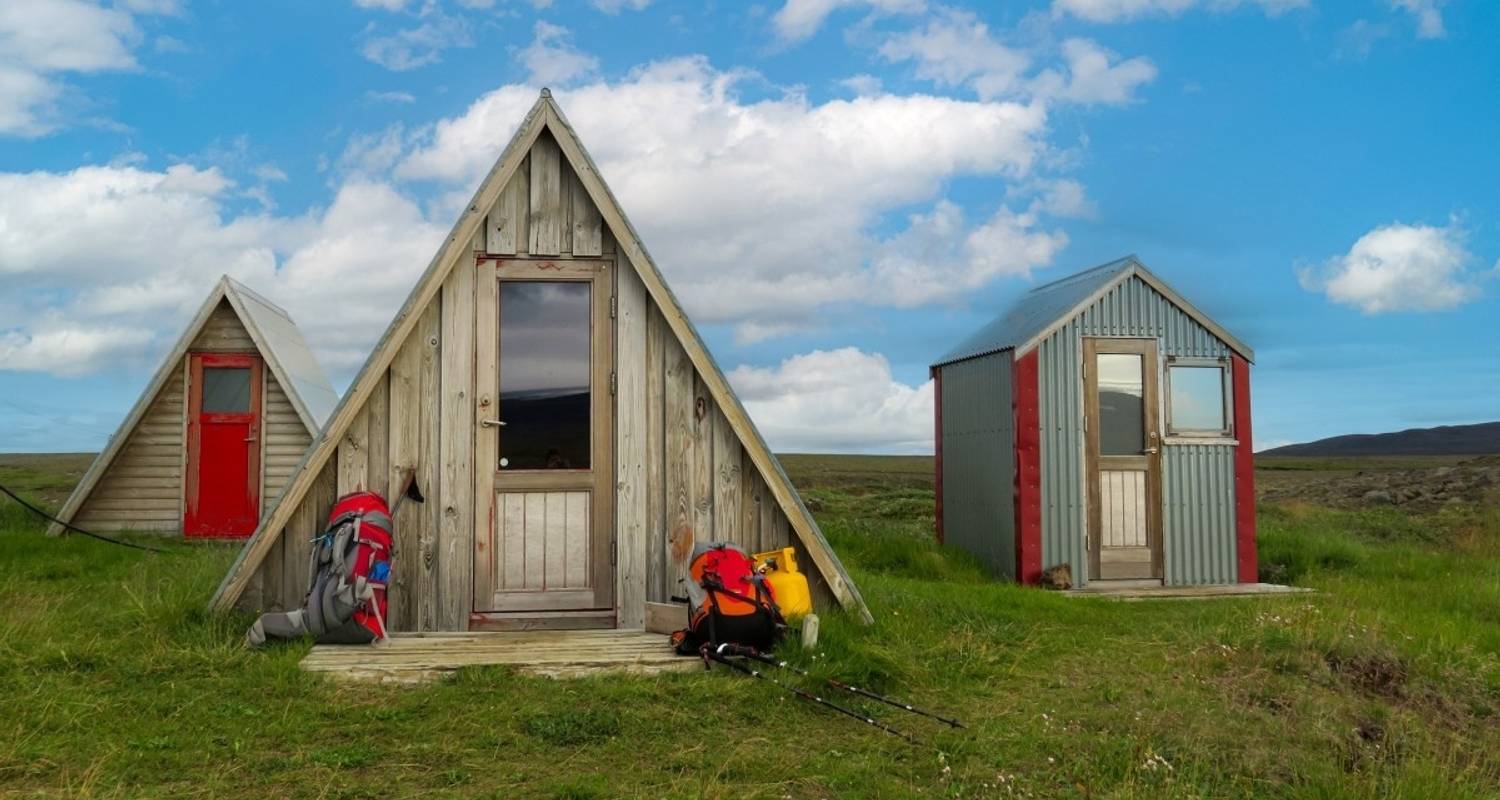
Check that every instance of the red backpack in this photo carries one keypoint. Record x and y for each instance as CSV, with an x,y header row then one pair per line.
x,y
728,602
350,566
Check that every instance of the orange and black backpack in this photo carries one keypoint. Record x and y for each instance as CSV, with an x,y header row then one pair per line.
x,y
728,602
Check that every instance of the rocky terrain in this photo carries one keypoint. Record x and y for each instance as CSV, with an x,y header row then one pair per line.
x,y
1419,488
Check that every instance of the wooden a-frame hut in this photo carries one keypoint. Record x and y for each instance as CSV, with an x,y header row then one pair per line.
x,y
217,432
570,431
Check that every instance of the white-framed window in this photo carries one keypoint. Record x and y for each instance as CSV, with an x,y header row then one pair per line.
x,y
1199,398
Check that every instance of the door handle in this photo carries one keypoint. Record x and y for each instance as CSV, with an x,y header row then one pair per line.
x,y
1150,451
492,423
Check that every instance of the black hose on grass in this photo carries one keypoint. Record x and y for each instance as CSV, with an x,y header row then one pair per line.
x,y
74,528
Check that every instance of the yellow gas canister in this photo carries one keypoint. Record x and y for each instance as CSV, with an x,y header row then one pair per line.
x,y
789,586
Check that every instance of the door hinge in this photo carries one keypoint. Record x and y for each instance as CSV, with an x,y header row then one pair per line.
x,y
612,384
614,306
614,551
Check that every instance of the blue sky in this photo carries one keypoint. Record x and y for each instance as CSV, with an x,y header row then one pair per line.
x,y
839,190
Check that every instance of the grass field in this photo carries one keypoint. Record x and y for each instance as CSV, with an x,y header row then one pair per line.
x,y
1386,682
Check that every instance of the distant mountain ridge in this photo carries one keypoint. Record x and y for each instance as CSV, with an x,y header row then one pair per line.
x,y
1444,440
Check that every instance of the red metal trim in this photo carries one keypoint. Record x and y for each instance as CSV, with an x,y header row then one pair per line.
x,y
937,438
1028,479
1244,474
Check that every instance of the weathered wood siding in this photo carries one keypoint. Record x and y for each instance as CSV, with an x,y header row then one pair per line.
x,y
283,441
699,483
223,333
142,489
399,429
681,473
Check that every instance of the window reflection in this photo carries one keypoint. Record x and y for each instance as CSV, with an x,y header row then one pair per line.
x,y
1197,399
226,390
544,375
1122,421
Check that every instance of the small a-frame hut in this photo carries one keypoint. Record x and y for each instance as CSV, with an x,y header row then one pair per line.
x,y
1102,422
570,431
217,432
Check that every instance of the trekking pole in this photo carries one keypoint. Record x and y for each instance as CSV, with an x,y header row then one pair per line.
x,y
710,653
838,684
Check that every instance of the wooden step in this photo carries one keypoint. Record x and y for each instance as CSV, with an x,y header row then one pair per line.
x,y
419,657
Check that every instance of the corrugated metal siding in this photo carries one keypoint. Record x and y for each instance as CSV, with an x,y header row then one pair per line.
x,y
979,460
1198,480
1198,528
1060,401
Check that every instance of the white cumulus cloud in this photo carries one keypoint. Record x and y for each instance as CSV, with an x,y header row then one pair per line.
x,y
1399,267
419,45
1095,75
1428,15
159,239
552,60
844,400
762,210
798,19
41,40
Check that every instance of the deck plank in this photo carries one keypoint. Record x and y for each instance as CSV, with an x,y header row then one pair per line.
x,y
416,658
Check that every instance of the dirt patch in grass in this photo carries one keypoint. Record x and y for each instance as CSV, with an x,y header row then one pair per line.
x,y
1380,674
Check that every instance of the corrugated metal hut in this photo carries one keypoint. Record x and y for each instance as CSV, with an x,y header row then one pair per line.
x,y
217,432
570,431
1101,422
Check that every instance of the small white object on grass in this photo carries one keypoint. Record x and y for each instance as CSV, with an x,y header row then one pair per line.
x,y
809,631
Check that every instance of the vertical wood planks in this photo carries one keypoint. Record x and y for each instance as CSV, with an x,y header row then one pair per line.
x,y
554,538
726,489
749,526
768,513
656,514
506,228
354,456
511,573
534,542
546,192
575,573
587,225
486,441
456,490
429,464
379,440
630,448
405,393
702,436
678,465
307,521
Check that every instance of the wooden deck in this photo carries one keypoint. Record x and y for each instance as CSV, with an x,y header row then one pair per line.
x,y
415,658
1153,590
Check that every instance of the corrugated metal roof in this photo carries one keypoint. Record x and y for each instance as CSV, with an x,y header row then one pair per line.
x,y
1034,311
288,355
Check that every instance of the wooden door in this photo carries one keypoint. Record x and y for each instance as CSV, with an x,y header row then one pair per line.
x,y
222,481
1123,458
544,416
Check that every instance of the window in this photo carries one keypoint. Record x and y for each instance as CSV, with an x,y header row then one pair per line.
x,y
1122,406
1198,398
226,390
545,394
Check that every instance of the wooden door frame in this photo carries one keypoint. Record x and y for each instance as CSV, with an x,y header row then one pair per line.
x,y
601,478
192,443
1147,349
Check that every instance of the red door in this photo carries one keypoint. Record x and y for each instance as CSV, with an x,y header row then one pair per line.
x,y
223,463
